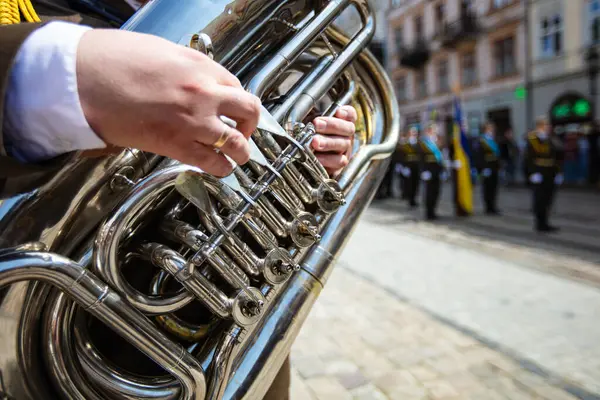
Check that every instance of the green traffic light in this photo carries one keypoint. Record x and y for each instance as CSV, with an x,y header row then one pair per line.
x,y
520,93
561,111
581,108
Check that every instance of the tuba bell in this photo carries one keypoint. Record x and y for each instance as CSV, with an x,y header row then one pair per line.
x,y
133,276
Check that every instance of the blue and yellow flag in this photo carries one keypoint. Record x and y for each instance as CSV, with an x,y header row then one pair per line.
x,y
462,160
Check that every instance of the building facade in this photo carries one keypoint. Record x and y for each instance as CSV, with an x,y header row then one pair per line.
x,y
562,34
477,46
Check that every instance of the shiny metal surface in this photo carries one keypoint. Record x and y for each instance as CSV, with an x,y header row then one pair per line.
x,y
211,281
99,300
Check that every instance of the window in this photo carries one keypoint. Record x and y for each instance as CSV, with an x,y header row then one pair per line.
x,y
473,123
501,3
551,36
595,21
469,69
504,57
440,11
421,81
443,85
419,27
401,89
467,8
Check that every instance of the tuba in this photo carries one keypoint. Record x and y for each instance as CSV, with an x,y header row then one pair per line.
x,y
133,276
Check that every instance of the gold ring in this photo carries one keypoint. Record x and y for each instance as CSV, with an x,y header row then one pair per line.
x,y
222,139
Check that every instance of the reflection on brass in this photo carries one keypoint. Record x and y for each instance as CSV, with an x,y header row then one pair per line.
x,y
249,253
172,323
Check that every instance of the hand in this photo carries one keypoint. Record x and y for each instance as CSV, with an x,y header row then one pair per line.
x,y
399,169
406,172
425,175
333,143
457,164
559,179
142,91
536,178
486,172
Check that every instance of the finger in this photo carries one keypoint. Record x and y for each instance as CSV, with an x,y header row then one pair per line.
x,y
236,145
332,161
334,126
212,68
333,173
347,113
224,77
208,159
241,106
348,153
228,140
338,144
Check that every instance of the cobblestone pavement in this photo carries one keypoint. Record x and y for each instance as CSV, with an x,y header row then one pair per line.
x,y
480,308
363,343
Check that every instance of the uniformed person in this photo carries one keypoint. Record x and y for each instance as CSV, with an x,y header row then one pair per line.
x,y
541,157
410,161
488,166
385,189
399,168
432,167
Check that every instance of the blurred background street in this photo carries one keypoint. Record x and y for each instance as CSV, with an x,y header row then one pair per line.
x,y
478,308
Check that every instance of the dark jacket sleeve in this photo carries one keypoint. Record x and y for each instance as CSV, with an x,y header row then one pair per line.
x,y
529,158
23,177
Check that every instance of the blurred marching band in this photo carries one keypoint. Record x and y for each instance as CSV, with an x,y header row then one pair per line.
x,y
425,160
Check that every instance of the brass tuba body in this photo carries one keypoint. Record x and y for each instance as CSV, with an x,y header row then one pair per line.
x,y
132,276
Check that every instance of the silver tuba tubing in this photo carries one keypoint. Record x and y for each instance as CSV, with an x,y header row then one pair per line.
x,y
274,340
211,281
98,299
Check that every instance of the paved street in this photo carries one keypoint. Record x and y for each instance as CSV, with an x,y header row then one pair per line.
x,y
481,308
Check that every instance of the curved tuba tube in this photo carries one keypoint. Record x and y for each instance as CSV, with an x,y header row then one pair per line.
x,y
135,276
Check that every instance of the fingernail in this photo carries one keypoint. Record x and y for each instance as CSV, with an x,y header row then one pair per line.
x,y
320,124
342,113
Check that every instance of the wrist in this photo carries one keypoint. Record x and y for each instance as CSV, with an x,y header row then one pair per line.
x,y
85,85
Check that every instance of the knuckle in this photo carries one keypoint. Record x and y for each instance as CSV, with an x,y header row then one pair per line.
x,y
352,114
235,80
239,147
219,167
237,143
316,142
324,143
254,106
350,128
225,168
195,88
210,130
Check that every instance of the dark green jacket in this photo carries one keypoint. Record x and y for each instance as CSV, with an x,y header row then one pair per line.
x,y
16,177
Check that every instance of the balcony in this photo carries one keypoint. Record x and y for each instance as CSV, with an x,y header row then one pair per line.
x,y
453,33
414,56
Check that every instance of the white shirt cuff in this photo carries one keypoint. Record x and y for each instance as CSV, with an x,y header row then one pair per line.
x,y
43,117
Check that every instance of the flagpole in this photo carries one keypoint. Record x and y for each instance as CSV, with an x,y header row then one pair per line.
x,y
462,183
